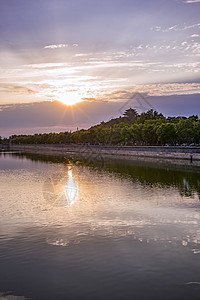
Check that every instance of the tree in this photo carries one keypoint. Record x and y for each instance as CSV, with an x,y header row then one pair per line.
x,y
166,133
186,131
193,118
125,134
149,115
149,134
150,127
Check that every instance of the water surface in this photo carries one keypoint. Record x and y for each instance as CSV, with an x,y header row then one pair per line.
x,y
124,230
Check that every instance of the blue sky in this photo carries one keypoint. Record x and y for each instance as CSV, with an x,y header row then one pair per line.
x,y
97,51
92,23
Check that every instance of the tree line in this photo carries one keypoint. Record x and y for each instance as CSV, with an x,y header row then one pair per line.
x,y
147,128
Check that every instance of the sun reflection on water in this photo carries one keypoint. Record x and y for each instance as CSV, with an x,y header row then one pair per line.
x,y
71,188
60,189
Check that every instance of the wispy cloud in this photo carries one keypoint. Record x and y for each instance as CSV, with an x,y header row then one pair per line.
x,y
153,90
58,46
191,26
16,89
194,35
176,27
92,74
191,1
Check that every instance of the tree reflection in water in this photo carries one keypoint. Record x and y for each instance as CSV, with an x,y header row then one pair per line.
x,y
185,178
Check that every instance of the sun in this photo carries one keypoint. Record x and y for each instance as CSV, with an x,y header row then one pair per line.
x,y
69,98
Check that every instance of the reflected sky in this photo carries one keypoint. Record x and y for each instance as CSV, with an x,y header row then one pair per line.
x,y
85,219
91,202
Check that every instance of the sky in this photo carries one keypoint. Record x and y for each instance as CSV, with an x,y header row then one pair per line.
x,y
74,63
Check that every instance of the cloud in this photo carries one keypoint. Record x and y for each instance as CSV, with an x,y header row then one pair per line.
x,y
176,27
16,89
158,28
194,35
93,74
46,66
53,116
81,54
8,296
191,26
58,46
154,90
56,117
191,1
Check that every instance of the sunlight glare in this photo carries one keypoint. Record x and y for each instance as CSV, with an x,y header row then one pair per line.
x,y
71,189
69,98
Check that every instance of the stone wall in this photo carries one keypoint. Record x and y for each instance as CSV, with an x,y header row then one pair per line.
x,y
172,152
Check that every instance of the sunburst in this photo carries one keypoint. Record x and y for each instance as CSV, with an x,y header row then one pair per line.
x,y
69,98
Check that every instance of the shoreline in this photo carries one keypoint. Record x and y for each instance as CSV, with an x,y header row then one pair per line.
x,y
165,153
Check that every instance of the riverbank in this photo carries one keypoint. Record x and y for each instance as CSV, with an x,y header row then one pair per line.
x,y
160,152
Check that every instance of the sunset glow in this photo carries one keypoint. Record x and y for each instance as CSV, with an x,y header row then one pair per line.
x,y
69,98
99,149
96,55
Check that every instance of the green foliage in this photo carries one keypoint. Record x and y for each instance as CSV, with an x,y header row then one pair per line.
x,y
148,128
188,131
149,134
149,115
166,133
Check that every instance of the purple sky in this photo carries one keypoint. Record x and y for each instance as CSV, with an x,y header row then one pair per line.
x,y
102,52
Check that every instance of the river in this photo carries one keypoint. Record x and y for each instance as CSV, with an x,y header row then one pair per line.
x,y
73,229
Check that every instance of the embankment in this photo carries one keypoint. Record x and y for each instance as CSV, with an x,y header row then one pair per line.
x,y
164,152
